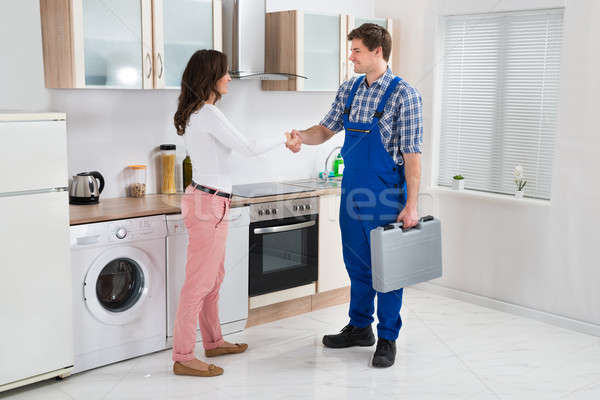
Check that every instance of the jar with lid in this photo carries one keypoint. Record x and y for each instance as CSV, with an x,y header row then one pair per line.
x,y
136,182
167,155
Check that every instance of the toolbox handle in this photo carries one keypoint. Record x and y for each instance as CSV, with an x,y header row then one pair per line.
x,y
422,219
395,225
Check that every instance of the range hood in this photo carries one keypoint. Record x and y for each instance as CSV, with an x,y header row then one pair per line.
x,y
244,40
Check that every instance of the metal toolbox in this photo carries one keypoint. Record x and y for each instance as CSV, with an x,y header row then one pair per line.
x,y
401,258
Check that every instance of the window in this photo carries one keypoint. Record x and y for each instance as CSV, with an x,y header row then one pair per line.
x,y
500,97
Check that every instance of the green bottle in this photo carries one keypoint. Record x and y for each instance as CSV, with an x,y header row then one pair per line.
x,y
187,171
338,166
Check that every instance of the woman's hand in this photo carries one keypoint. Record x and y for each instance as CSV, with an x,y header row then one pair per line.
x,y
294,142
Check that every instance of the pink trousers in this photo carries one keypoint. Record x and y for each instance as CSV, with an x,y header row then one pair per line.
x,y
205,216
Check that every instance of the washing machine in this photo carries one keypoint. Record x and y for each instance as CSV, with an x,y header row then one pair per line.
x,y
119,294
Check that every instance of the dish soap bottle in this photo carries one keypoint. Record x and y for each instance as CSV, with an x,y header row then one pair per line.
x,y
187,171
338,165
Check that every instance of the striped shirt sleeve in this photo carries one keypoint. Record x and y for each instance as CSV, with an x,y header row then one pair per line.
x,y
408,135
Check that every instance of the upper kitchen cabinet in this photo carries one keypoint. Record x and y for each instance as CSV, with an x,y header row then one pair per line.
x,y
137,44
355,22
305,44
97,43
180,28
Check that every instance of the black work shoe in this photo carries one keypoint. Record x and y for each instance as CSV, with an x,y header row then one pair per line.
x,y
385,354
350,336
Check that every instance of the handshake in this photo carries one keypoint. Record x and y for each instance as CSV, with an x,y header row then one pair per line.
x,y
294,141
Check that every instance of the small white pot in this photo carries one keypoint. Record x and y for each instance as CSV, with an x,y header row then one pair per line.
x,y
458,184
519,194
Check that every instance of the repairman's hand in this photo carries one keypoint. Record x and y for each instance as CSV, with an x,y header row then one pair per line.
x,y
408,216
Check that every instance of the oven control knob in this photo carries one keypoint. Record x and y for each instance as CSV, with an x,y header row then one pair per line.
x,y
295,208
121,233
274,211
267,211
308,207
301,208
260,213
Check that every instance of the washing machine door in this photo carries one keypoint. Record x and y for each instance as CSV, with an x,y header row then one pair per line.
x,y
117,285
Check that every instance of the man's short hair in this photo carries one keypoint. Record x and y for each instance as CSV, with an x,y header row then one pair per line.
x,y
373,36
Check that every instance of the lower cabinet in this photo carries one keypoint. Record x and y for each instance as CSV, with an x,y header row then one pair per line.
x,y
332,271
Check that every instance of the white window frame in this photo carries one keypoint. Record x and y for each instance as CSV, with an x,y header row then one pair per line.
x,y
439,67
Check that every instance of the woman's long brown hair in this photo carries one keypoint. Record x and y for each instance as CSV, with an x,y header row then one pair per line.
x,y
199,80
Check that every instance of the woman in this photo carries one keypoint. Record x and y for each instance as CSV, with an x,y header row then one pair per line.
x,y
209,139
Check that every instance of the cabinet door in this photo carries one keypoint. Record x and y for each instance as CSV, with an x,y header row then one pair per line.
x,y
355,22
116,39
332,270
320,48
181,27
358,21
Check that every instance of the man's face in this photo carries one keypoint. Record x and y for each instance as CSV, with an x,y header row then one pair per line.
x,y
363,59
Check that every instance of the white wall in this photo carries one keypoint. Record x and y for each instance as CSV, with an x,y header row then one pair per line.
x,y
109,129
534,254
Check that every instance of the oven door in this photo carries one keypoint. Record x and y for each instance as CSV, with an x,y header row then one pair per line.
x,y
283,253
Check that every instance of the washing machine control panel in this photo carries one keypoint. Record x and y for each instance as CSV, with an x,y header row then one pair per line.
x,y
121,233
118,231
132,229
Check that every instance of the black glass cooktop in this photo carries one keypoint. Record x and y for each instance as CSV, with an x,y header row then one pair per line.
x,y
267,189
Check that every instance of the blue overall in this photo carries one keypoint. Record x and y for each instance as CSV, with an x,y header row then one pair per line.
x,y
373,194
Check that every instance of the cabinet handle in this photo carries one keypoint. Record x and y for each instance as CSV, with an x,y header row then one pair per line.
x,y
149,63
161,66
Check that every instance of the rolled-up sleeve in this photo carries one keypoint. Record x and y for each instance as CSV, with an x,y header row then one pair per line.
x,y
333,120
408,132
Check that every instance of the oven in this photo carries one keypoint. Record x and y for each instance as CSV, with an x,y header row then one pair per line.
x,y
283,245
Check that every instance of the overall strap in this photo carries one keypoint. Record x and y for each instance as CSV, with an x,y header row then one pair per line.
x,y
352,93
379,113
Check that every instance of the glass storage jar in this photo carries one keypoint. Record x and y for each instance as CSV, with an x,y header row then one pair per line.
x,y
167,155
136,180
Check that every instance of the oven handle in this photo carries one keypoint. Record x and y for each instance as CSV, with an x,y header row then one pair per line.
x,y
283,228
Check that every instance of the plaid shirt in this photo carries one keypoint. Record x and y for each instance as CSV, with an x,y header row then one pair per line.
x,y
401,126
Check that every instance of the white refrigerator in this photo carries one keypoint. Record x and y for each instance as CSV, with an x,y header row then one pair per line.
x,y
36,337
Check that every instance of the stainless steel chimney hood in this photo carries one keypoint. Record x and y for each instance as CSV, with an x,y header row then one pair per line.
x,y
244,40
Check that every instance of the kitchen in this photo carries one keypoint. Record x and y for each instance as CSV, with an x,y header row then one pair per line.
x,y
531,258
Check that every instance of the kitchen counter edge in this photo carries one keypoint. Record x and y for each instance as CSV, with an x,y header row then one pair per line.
x,y
157,204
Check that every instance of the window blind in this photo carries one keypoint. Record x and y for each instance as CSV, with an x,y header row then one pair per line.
x,y
500,98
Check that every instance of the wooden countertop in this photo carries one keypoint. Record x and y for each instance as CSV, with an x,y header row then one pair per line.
x,y
156,204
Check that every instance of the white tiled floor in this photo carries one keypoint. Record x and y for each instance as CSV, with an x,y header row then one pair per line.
x,y
447,349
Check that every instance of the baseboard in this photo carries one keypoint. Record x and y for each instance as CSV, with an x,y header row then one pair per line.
x,y
282,295
64,372
290,308
330,298
542,316
274,312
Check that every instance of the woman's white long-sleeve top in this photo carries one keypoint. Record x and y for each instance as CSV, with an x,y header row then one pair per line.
x,y
210,139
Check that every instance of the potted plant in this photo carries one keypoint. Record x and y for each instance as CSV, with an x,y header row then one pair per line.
x,y
520,181
458,182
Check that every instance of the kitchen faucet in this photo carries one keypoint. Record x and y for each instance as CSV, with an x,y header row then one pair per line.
x,y
326,170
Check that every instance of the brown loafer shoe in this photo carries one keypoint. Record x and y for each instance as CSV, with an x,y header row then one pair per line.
x,y
219,351
180,369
